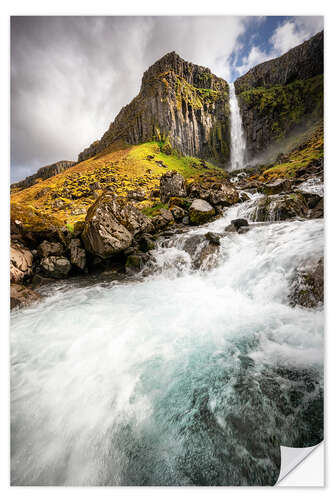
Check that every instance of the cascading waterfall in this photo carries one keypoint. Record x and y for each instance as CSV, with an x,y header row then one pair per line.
x,y
238,141
182,377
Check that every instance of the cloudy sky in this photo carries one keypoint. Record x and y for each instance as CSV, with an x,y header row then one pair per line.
x,y
70,76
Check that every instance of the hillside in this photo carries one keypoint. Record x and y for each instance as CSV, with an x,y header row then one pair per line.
x,y
132,171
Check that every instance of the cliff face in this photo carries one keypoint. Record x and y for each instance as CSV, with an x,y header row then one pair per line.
x,y
44,173
300,63
279,95
180,103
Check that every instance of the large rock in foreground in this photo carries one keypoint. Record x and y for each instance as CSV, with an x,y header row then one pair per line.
x,y
172,184
200,212
20,263
110,225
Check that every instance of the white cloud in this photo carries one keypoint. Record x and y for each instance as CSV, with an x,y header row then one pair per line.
x,y
286,36
255,56
72,75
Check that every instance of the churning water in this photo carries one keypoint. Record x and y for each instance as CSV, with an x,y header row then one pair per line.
x,y
183,377
237,136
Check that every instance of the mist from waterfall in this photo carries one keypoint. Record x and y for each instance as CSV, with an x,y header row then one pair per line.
x,y
238,142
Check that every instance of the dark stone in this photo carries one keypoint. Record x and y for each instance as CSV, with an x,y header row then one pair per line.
x,y
307,287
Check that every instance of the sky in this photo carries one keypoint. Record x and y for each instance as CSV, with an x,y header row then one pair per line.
x,y
70,76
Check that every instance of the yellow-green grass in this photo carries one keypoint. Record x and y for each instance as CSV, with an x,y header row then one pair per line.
x,y
122,167
300,158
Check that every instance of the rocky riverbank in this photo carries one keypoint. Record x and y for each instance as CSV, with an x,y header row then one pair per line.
x,y
117,237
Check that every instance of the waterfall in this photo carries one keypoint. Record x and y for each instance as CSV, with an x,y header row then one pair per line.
x,y
238,142
163,380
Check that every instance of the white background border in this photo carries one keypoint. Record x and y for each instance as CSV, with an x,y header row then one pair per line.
x,y
142,7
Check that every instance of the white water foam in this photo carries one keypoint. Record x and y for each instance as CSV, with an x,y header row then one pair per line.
x,y
182,378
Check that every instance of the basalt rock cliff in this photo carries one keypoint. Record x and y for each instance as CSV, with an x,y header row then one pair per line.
x,y
281,95
44,173
181,104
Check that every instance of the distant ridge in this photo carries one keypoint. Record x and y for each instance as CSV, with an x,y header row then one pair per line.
x,y
44,173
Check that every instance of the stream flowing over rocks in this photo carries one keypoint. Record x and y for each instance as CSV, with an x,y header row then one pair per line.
x,y
192,371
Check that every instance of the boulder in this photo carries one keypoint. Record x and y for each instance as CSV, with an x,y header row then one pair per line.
x,y
135,262
276,208
111,224
20,263
318,211
200,212
176,201
202,250
277,186
238,223
47,248
164,219
21,296
138,195
178,213
77,254
172,184
146,243
225,195
56,267
307,287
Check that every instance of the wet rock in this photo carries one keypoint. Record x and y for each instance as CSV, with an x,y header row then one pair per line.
x,y
243,197
186,220
202,250
213,237
275,208
238,223
172,184
135,263
200,212
21,296
56,267
146,243
47,248
230,229
20,263
318,211
111,224
307,287
277,186
38,280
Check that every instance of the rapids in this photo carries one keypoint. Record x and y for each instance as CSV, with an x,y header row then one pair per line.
x,y
180,377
